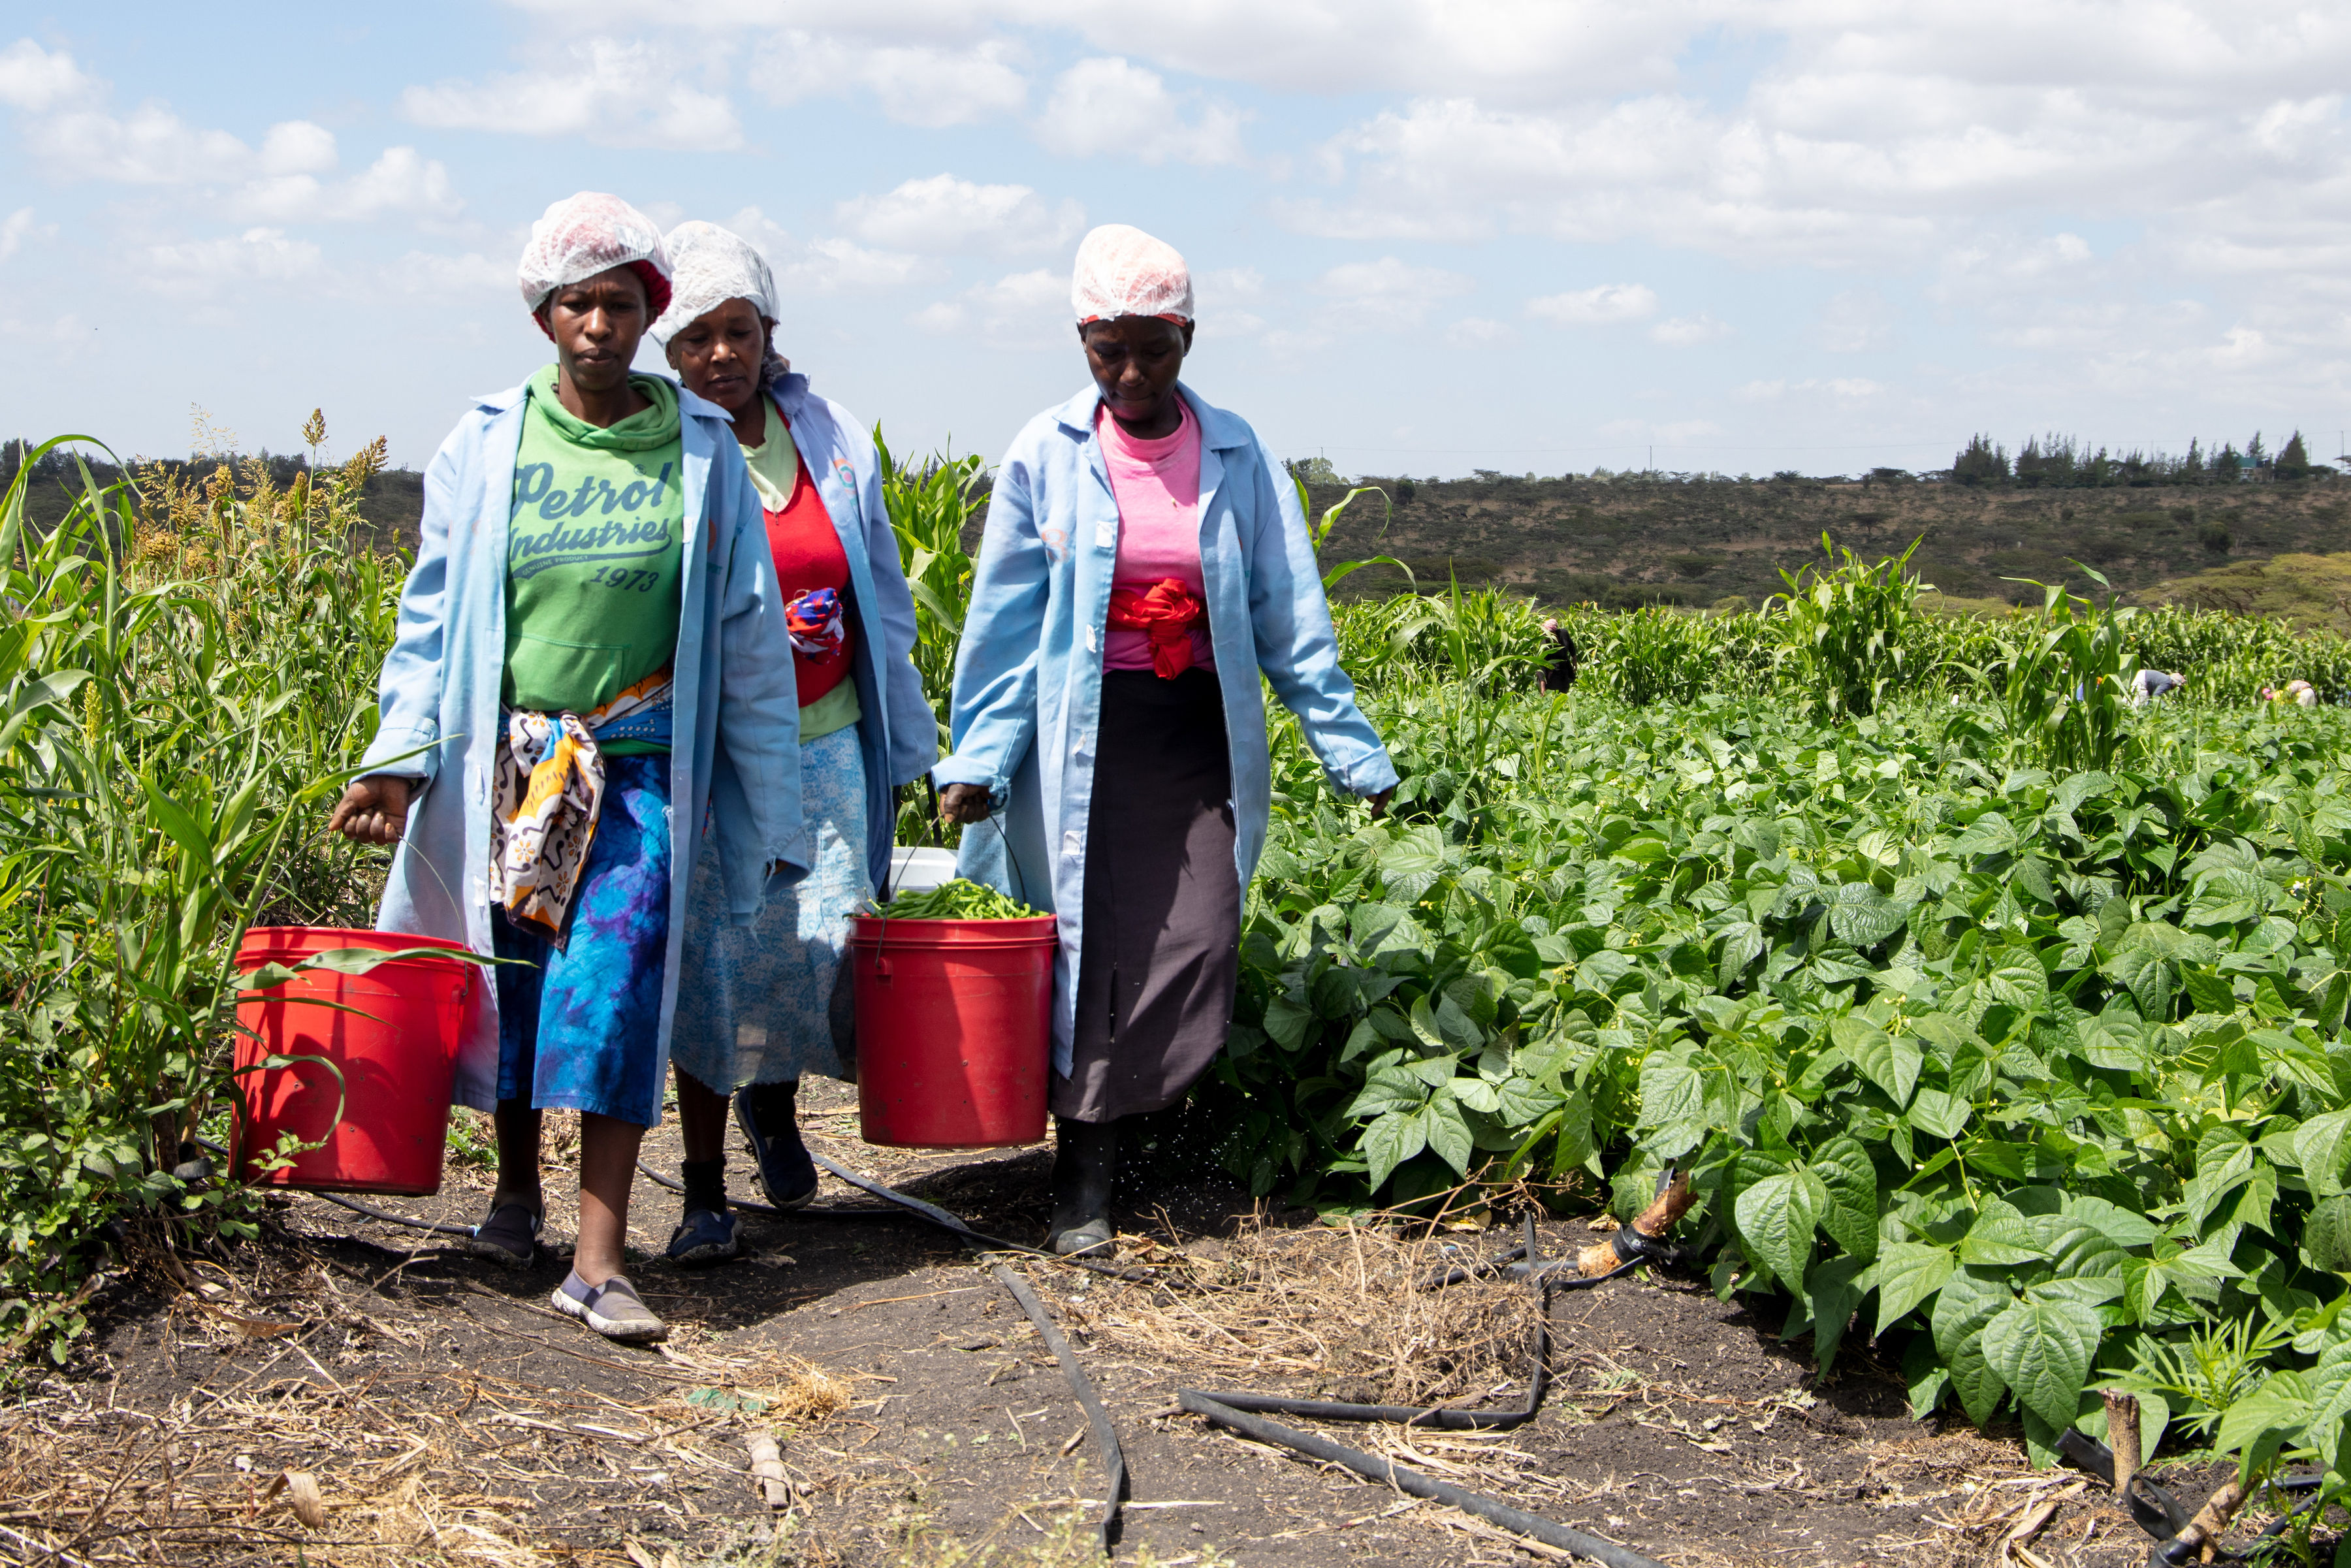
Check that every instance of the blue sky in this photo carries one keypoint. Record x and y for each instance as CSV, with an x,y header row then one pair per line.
x,y
1428,236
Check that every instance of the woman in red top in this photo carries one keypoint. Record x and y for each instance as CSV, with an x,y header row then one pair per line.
x,y
760,1006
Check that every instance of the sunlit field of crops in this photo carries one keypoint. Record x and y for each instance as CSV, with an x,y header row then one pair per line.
x,y
1992,1015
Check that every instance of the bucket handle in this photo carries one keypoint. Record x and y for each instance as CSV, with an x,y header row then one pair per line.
x,y
882,909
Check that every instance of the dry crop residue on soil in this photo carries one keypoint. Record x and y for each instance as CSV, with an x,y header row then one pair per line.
x,y
364,1395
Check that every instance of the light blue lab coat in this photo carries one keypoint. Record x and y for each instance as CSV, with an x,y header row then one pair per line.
x,y
1028,687
898,735
734,749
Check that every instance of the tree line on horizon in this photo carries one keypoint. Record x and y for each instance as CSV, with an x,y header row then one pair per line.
x,y
2051,462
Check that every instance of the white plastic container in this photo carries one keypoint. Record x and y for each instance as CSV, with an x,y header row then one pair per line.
x,y
918,868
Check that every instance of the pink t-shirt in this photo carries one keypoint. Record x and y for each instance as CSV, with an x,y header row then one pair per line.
x,y
1156,484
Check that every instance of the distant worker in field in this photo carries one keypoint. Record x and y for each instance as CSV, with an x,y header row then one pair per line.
x,y
2148,685
2299,692
1144,559
755,1004
1559,666
589,668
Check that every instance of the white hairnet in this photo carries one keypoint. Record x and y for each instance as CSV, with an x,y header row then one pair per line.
x,y
709,266
1121,271
586,234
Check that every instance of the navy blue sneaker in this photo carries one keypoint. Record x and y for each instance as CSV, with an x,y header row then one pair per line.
x,y
706,1236
765,1113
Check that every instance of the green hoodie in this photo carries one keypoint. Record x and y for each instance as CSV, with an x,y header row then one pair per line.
x,y
593,553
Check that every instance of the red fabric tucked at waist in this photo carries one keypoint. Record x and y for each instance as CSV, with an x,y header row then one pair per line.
x,y
1166,613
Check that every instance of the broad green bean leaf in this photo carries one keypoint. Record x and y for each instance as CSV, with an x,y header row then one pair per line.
x,y
1776,1219
2321,1147
2110,1043
1890,1061
1510,948
2088,1290
1601,970
2081,1249
1999,1236
1939,1114
2257,1426
1478,1095
1447,1134
2146,976
1742,943
1424,1026
1286,1022
2120,1226
2020,982
1376,928
1395,1138
2041,1348
1836,1293
1907,1273
1864,916
1843,1168
2326,1236
1975,1379
1410,865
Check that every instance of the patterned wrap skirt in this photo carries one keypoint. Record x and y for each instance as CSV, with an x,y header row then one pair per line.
x,y
767,1002
580,1025
1161,956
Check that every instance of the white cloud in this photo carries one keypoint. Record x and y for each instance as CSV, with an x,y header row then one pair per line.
x,y
1020,310
942,215
37,81
401,181
829,265
1110,106
1389,290
1477,332
18,227
914,84
298,147
73,136
1844,389
1687,331
1597,307
613,92
453,278
1856,321
258,255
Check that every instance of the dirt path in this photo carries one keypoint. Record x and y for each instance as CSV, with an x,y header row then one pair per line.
x,y
447,1416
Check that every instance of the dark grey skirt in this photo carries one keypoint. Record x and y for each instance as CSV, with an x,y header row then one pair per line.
x,y
1162,901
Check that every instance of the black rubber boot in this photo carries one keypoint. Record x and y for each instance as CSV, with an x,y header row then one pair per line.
x,y
767,1114
1085,1158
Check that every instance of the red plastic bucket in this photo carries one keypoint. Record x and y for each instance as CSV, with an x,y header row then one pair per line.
x,y
954,1030
397,1048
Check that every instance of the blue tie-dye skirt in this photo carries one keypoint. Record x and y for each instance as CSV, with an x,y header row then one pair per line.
x,y
764,1003
580,1025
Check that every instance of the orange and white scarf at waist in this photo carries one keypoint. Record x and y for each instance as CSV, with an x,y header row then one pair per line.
x,y
548,787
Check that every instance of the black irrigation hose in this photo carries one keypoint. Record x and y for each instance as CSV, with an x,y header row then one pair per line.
x,y
1106,1532
811,1211
435,1226
2162,1515
1229,1410
1106,1433
1414,1482
1444,1419
980,1239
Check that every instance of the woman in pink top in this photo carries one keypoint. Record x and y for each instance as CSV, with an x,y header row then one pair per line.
x,y
1088,697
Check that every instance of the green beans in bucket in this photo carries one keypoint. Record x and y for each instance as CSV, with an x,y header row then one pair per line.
x,y
961,899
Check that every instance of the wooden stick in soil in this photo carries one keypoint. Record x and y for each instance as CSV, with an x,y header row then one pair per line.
x,y
2122,1436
